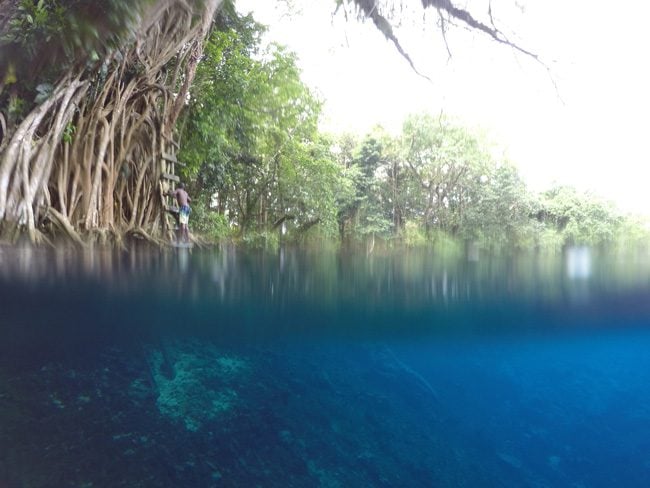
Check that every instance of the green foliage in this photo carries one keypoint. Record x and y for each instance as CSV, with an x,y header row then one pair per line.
x,y
208,222
580,218
413,235
501,216
66,29
374,225
251,140
447,173
445,245
16,108
549,240
250,135
41,39
312,182
634,235
68,133
261,240
35,23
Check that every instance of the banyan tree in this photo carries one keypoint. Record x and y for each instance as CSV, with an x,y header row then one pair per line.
x,y
90,92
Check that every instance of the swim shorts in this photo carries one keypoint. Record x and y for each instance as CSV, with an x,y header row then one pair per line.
x,y
184,214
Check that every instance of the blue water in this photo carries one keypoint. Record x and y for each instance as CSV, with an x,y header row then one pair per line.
x,y
301,368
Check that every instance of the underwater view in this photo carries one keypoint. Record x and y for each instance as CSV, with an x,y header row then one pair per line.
x,y
299,368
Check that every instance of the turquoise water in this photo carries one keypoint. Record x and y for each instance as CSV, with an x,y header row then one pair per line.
x,y
300,368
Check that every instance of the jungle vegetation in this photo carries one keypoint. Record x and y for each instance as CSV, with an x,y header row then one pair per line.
x,y
265,174
94,94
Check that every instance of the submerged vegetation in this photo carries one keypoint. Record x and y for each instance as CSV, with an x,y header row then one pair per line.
x,y
93,99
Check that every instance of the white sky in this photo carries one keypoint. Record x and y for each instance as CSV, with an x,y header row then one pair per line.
x,y
593,137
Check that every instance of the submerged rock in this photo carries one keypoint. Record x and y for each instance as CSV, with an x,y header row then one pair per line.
x,y
201,386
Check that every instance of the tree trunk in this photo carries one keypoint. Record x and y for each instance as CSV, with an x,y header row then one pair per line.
x,y
116,113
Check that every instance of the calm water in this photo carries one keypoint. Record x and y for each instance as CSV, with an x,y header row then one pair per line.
x,y
299,369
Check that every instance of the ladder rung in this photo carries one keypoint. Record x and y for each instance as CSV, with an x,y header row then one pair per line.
x,y
171,177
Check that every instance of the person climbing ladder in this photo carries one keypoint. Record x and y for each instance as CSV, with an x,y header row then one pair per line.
x,y
184,210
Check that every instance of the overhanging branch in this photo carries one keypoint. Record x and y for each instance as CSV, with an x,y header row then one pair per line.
x,y
370,9
467,18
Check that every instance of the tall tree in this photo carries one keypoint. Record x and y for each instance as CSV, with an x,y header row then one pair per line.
x,y
501,210
579,218
85,153
447,165
250,133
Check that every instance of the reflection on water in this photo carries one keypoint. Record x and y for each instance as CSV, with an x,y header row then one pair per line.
x,y
578,262
410,275
290,282
313,368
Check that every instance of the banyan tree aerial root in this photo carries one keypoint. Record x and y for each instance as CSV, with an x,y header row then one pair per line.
x,y
85,163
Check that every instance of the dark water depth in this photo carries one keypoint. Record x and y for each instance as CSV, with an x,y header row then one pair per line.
x,y
300,368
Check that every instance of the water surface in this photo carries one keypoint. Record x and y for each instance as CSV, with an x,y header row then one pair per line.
x,y
304,368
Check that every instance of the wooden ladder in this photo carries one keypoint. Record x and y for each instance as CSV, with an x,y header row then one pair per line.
x,y
169,180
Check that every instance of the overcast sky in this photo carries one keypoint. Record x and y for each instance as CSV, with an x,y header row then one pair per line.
x,y
591,132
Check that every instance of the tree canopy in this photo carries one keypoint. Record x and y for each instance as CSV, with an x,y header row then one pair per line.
x,y
264,170
97,98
